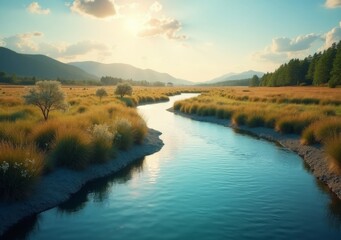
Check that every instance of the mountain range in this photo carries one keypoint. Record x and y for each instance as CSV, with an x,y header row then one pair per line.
x,y
40,66
127,71
235,76
44,67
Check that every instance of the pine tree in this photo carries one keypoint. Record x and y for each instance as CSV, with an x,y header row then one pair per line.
x,y
336,71
324,66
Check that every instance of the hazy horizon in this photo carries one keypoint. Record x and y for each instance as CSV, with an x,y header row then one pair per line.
x,y
192,40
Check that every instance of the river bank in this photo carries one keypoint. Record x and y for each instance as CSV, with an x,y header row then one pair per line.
x,y
313,156
58,186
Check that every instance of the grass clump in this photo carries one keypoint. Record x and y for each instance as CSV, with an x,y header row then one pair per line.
x,y
321,131
333,150
44,135
124,138
20,166
101,143
72,149
140,130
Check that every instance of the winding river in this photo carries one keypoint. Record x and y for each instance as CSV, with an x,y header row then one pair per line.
x,y
207,182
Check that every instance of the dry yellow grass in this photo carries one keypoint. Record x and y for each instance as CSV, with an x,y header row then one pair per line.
x,y
315,111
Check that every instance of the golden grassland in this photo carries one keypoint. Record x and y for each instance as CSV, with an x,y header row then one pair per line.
x,y
313,112
89,131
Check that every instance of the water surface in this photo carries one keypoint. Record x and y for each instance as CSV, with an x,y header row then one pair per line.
x,y
207,182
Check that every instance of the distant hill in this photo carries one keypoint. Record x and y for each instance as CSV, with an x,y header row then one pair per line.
x,y
39,66
235,76
126,71
240,82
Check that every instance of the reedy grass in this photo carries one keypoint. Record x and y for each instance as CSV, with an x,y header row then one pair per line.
x,y
70,138
71,149
315,113
333,150
124,137
20,166
101,143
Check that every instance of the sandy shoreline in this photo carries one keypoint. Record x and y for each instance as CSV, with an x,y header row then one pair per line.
x,y
313,155
57,186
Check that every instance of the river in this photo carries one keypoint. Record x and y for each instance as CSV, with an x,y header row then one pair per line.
x,y
207,182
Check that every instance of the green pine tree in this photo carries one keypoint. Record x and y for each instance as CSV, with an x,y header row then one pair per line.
x,y
324,66
336,71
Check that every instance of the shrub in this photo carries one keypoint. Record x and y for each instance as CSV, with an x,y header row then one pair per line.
x,y
72,149
101,144
124,137
123,89
101,92
19,169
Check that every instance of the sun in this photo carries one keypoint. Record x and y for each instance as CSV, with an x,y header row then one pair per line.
x,y
134,25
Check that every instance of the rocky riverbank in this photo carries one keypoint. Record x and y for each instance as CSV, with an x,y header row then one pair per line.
x,y
56,187
314,156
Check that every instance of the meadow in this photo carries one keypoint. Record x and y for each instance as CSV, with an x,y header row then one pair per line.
x,y
312,112
89,131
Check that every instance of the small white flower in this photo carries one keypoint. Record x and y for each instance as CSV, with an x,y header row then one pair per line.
x,y
4,166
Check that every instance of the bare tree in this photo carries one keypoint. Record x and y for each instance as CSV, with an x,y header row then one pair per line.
x,y
123,89
47,96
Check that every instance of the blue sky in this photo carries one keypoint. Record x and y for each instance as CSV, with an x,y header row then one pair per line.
x,y
190,39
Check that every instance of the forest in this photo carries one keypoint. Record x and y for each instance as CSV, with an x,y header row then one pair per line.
x,y
323,68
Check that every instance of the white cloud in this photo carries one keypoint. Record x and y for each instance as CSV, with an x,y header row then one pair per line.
x,y
94,8
282,49
156,7
22,42
333,3
29,43
269,55
84,47
166,27
35,8
333,36
299,43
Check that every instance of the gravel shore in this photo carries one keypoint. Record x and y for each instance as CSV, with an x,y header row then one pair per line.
x,y
56,187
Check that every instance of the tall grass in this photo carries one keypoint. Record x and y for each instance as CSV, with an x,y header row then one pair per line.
x,y
72,149
321,131
124,137
333,149
20,166
101,143
315,113
44,135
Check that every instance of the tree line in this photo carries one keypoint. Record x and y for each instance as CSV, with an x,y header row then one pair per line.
x,y
112,81
323,68
13,79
